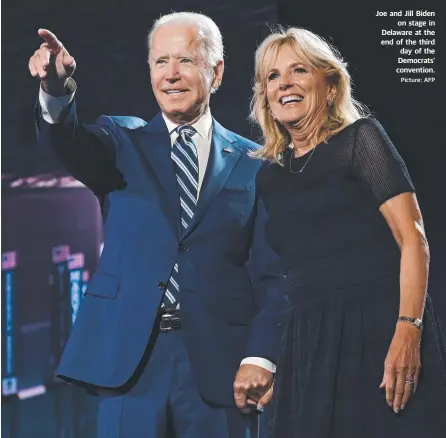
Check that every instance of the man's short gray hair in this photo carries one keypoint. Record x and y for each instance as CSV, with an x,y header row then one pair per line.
x,y
210,38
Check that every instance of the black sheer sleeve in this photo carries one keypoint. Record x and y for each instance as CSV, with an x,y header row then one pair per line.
x,y
377,163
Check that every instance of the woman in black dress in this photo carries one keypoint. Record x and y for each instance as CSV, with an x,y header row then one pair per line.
x,y
343,216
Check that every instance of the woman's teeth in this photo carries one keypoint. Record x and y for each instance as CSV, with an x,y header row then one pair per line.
x,y
293,98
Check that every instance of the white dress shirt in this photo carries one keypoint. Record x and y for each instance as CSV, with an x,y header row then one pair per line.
x,y
202,139
52,108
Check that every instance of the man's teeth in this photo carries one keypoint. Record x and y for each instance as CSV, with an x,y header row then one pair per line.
x,y
292,98
174,92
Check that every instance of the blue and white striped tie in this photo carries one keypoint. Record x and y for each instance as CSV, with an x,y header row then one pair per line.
x,y
185,158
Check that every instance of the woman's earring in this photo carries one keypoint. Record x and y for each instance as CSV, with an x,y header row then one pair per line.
x,y
329,102
273,116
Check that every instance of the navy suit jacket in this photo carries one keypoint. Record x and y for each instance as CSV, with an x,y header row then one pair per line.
x,y
231,305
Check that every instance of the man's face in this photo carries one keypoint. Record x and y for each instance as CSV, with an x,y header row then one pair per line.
x,y
181,80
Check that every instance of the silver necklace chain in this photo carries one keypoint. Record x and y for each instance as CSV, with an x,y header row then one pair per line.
x,y
306,162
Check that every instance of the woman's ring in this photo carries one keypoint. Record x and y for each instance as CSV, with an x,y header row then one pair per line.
x,y
409,382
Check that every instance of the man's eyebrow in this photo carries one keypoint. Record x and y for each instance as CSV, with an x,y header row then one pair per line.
x,y
192,56
185,55
159,57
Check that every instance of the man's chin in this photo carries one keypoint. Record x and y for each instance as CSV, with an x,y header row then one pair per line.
x,y
176,110
179,114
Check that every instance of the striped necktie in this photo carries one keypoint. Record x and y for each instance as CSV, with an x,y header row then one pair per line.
x,y
185,158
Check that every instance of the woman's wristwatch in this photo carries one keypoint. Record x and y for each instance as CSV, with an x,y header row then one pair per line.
x,y
416,322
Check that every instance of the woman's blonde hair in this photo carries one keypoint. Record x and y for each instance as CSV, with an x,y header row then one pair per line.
x,y
322,57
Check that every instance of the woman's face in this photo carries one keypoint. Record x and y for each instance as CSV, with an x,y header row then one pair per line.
x,y
293,89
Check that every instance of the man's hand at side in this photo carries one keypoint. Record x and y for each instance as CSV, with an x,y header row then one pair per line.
x,y
251,385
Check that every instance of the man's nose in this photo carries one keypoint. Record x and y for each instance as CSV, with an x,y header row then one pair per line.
x,y
172,72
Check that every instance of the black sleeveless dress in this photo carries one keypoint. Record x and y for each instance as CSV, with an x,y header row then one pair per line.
x,y
342,281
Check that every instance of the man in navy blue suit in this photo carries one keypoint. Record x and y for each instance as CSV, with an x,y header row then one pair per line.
x,y
183,314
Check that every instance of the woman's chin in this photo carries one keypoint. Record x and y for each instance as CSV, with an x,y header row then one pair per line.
x,y
291,121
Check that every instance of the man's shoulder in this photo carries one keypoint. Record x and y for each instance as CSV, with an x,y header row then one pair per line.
x,y
242,143
126,122
245,143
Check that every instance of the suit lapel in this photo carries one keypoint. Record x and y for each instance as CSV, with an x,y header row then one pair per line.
x,y
157,148
222,159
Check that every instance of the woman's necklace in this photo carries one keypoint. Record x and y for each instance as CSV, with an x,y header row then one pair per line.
x,y
306,162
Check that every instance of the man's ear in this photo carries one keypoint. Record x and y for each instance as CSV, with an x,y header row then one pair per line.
x,y
218,74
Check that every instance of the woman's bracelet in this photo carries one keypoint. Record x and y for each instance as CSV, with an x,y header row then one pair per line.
x,y
416,322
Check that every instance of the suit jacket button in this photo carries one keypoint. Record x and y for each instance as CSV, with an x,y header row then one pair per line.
x,y
182,247
162,285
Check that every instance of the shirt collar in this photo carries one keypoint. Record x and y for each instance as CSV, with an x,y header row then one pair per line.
x,y
202,125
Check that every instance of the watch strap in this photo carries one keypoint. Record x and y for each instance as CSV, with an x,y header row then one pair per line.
x,y
416,322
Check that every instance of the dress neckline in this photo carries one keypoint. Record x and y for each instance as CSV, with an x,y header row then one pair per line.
x,y
306,154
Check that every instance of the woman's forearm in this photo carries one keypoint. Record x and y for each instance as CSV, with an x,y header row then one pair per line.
x,y
414,276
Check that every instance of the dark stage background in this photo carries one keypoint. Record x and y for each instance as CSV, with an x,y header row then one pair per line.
x,y
43,209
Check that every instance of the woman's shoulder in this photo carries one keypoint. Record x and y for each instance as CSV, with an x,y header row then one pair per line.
x,y
366,125
361,124
363,130
267,173
268,165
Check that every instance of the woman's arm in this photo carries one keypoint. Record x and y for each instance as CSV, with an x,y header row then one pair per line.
x,y
403,216
402,364
383,174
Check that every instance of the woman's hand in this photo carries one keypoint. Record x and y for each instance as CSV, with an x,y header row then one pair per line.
x,y
402,366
